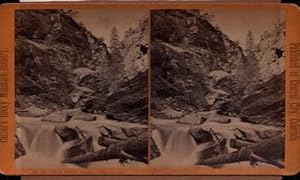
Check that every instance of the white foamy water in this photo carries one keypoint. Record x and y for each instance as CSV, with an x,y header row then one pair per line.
x,y
175,143
179,149
45,149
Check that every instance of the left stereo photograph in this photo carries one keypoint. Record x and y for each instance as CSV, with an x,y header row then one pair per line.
x,y
96,62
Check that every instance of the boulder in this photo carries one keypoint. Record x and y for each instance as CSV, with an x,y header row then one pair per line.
x,y
200,135
220,120
32,111
134,131
57,116
20,150
66,133
78,147
193,119
130,102
112,131
169,113
86,117
154,150
73,112
103,131
256,135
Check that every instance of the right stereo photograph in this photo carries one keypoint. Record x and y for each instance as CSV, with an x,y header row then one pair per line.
x,y
217,88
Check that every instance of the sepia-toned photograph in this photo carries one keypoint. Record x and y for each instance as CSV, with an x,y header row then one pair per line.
x,y
217,88
81,88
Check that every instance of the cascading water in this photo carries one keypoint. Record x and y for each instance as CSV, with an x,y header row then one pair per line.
x,y
41,144
26,135
46,142
45,149
176,144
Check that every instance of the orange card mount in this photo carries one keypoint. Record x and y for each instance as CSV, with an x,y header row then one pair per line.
x,y
149,89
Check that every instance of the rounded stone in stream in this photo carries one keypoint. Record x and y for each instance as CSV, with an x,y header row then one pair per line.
x,y
20,150
112,131
169,113
200,135
78,147
66,133
57,116
134,131
193,119
85,117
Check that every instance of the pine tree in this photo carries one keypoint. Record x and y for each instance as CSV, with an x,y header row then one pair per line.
x,y
128,32
70,12
251,66
250,43
114,38
115,57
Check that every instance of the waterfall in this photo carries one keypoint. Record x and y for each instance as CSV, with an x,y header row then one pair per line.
x,y
26,135
46,142
41,140
42,146
176,144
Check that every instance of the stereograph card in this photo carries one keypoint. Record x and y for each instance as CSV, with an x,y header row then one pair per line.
x,y
124,88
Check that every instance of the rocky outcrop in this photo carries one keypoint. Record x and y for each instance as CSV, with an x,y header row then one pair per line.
x,y
50,44
270,51
267,103
130,102
196,67
134,49
60,64
193,62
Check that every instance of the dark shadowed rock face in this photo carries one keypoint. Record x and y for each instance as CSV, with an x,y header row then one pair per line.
x,y
50,44
175,85
266,104
20,150
66,133
186,48
130,102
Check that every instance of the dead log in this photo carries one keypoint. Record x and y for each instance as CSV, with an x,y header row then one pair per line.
x,y
107,141
213,149
84,117
200,135
134,148
238,144
134,131
220,120
79,147
267,151
245,136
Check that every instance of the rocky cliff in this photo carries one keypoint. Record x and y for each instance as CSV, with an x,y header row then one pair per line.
x,y
265,103
193,63
270,52
196,67
50,45
134,49
61,64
